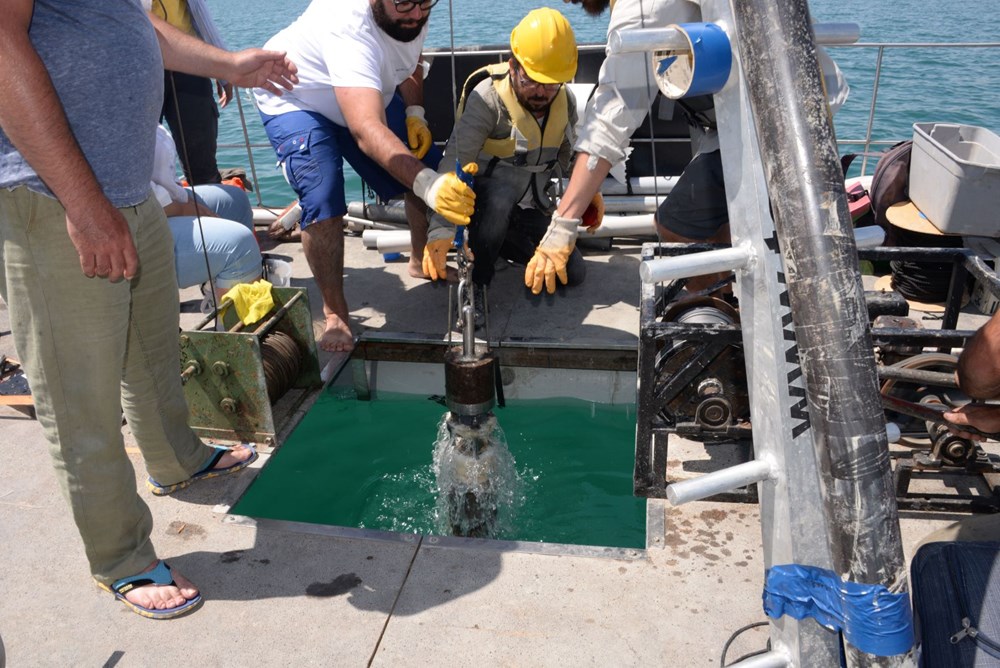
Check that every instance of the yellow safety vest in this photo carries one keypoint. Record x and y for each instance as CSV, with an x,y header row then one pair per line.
x,y
527,140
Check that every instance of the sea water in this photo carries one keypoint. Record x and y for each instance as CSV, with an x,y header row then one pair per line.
x,y
917,85
371,464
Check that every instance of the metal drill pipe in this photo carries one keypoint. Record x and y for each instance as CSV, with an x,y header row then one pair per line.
x,y
794,129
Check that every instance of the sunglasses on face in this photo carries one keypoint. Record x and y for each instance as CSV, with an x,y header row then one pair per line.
x,y
404,6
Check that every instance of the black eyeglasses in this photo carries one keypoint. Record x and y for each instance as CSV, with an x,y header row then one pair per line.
x,y
528,82
404,6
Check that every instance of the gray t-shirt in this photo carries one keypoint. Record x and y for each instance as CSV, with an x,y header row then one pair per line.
x,y
105,63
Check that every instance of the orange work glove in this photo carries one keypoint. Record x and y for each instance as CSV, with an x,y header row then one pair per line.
x,y
594,214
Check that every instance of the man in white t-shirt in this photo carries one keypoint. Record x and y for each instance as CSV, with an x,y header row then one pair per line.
x,y
359,98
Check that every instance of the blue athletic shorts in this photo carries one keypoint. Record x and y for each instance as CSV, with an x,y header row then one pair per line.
x,y
311,150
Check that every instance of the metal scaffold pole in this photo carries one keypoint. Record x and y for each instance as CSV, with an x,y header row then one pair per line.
x,y
814,233
834,566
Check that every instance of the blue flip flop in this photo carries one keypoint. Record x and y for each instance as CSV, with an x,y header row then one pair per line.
x,y
205,472
159,576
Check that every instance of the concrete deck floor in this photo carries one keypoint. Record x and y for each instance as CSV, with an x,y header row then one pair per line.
x,y
282,596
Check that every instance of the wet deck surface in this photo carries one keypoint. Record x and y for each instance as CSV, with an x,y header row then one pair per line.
x,y
294,595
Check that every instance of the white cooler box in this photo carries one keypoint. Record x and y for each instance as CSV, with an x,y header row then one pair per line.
x,y
955,177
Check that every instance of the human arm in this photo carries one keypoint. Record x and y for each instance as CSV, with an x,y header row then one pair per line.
x,y
978,376
979,363
224,91
418,134
445,193
250,68
33,119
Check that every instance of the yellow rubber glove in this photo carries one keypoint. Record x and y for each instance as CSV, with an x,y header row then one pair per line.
x,y
447,194
594,214
417,132
552,255
440,236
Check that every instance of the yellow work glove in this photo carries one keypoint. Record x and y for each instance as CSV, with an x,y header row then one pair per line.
x,y
447,194
552,255
417,132
440,237
594,214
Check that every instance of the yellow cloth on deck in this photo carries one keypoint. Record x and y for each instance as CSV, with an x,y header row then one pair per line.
x,y
252,301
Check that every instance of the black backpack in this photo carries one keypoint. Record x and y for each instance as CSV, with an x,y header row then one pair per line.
x,y
890,185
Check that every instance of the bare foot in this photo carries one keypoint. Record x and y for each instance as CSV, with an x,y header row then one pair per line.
x,y
337,338
161,597
237,454
416,270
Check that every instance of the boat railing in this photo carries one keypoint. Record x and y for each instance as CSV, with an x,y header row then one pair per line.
x,y
880,47
870,146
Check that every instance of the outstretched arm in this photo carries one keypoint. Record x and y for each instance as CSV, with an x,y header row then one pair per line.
x,y
979,364
250,68
34,120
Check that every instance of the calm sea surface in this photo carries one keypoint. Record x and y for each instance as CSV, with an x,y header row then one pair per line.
x,y
917,84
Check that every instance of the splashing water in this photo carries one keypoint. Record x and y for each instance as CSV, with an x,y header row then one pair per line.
x,y
478,487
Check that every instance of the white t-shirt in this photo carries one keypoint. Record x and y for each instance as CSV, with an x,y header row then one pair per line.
x,y
338,43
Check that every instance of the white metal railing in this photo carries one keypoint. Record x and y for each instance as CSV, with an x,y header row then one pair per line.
x,y
866,142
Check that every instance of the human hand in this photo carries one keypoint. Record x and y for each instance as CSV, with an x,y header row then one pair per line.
x,y
257,68
440,238
225,93
447,194
594,214
417,132
552,255
103,241
984,417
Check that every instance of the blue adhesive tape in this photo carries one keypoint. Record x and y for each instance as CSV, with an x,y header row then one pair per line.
x,y
705,71
872,618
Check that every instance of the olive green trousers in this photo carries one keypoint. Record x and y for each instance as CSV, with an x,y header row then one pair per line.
x,y
92,349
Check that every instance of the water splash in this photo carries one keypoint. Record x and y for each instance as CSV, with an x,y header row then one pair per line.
x,y
478,487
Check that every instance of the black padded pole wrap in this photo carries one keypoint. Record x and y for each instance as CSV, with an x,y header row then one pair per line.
x,y
814,233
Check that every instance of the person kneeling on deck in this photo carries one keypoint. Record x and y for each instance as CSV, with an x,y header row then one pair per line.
x,y
352,56
517,122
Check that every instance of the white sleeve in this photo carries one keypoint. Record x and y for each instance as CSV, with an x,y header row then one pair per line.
x,y
625,86
164,181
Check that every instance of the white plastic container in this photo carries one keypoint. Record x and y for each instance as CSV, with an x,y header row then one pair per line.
x,y
955,177
279,272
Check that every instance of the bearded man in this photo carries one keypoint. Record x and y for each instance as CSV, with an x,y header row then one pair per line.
x,y
360,99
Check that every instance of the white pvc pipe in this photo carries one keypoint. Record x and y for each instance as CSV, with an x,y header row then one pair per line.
x,y
717,482
776,658
631,204
646,39
694,264
623,226
355,224
638,40
869,237
386,241
831,34
641,185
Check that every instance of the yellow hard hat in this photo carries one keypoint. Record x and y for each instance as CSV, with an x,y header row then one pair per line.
x,y
544,44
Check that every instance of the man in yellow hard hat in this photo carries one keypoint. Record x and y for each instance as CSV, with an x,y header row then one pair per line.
x,y
517,122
